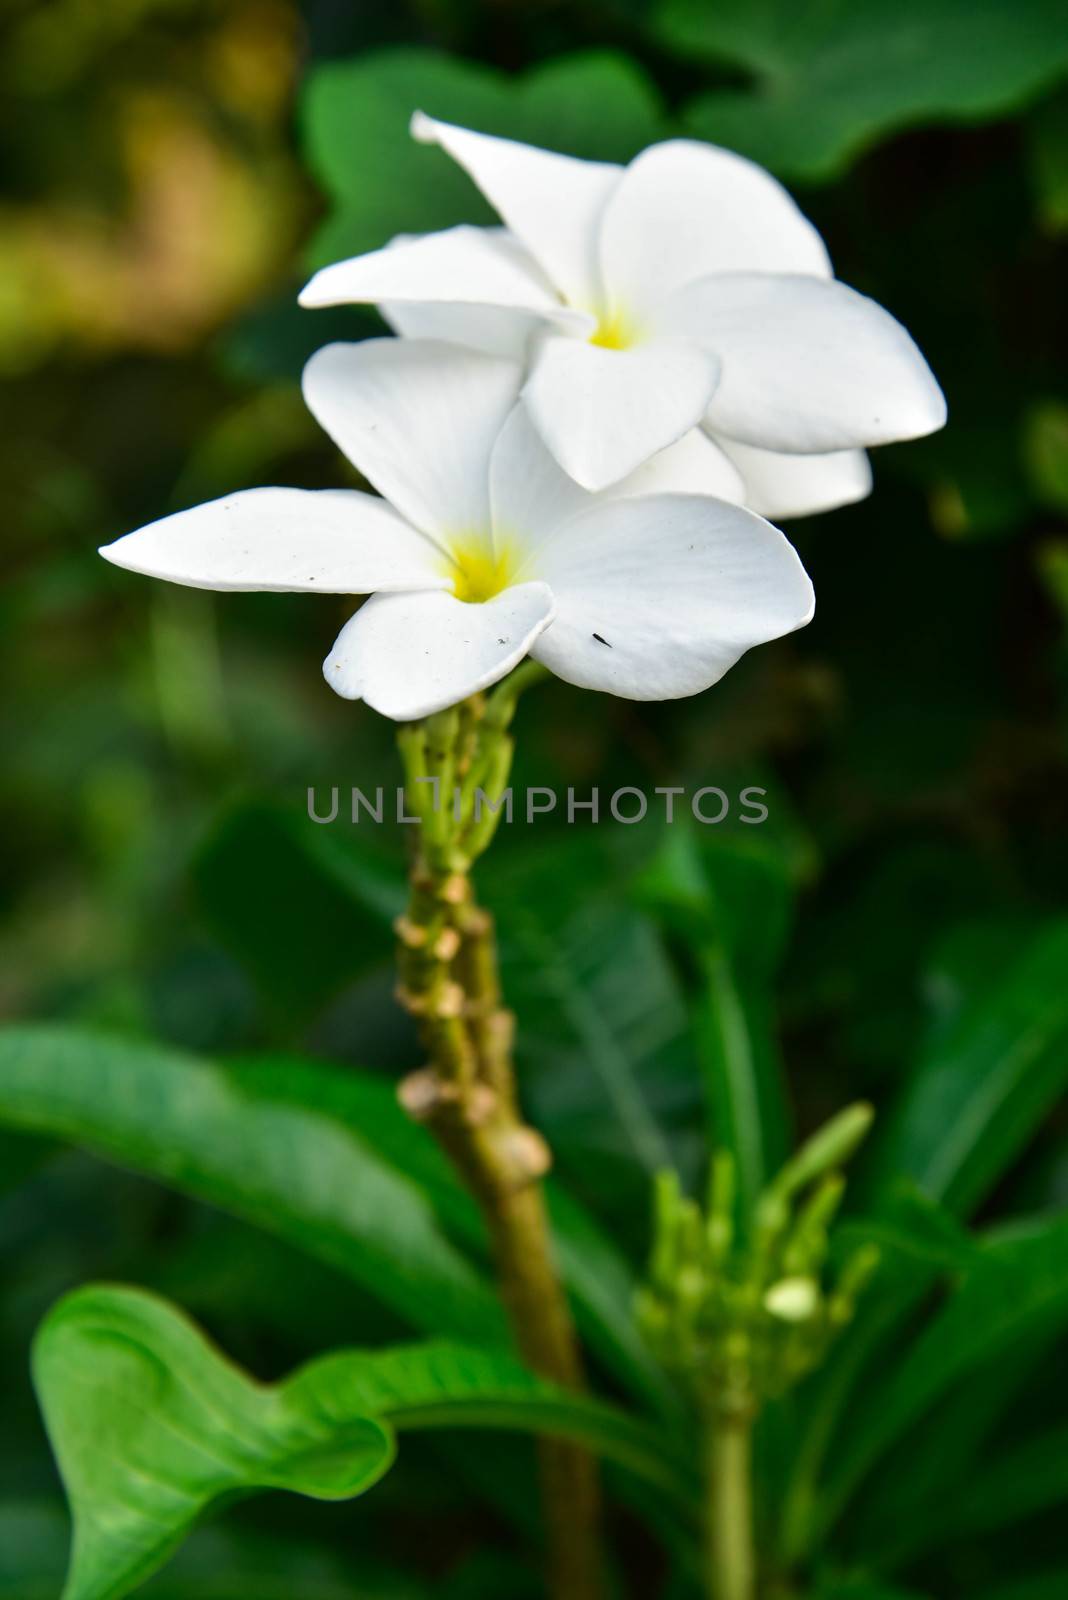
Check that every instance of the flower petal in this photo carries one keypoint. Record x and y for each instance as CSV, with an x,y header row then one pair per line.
x,y
499,330
530,492
419,419
695,465
657,597
603,412
533,496
494,329
464,266
808,365
338,541
552,203
410,655
778,485
683,210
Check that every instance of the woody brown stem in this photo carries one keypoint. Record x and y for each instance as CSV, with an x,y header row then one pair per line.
x,y
492,1025
467,1094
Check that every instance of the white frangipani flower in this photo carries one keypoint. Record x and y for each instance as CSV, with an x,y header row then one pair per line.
x,y
684,289
482,551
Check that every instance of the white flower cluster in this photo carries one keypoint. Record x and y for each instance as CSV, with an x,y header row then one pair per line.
x,y
577,435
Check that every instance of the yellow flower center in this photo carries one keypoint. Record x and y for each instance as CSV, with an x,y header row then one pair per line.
x,y
614,331
479,572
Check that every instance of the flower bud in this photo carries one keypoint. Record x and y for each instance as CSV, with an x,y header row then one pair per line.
x,y
792,1299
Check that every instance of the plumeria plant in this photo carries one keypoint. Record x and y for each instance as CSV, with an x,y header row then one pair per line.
x,y
567,502
573,441
483,552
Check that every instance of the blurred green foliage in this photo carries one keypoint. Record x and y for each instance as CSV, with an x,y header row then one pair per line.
x,y
895,930
828,80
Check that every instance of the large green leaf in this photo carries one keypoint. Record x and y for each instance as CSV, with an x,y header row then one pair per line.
x,y
986,1082
1015,1290
151,1425
285,1167
832,76
356,116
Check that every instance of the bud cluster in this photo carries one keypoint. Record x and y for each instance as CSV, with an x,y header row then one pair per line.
x,y
738,1307
463,754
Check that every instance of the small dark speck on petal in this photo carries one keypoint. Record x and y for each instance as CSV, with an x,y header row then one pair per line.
x,y
597,636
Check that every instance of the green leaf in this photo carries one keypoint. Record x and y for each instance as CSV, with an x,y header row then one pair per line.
x,y
907,1512
285,1167
339,897
1046,442
598,1277
31,1542
919,1246
1052,564
1015,1290
603,1289
742,1071
729,901
356,113
862,1589
1048,140
1045,1586
1022,1481
441,1385
151,1425
217,1562
323,1157
601,1023
828,80
596,1004
19,1158
986,1083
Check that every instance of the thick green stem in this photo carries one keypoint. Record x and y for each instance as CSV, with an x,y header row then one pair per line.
x,y
467,1096
730,1567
